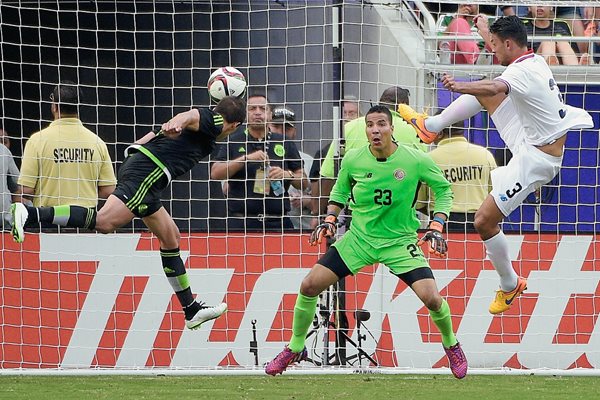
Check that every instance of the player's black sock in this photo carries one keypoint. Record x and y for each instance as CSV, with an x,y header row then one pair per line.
x,y
175,272
69,216
35,215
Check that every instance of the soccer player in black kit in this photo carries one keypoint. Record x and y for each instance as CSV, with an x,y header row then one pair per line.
x,y
152,162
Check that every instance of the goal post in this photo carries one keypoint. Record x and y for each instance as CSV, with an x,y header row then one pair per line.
x,y
86,303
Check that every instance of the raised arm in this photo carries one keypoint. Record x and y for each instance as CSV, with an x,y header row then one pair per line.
x,y
185,120
484,87
188,119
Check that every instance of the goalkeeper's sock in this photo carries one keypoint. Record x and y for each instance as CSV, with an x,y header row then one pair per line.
x,y
304,313
443,320
464,107
68,216
496,248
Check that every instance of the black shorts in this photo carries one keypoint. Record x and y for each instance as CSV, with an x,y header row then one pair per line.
x,y
140,183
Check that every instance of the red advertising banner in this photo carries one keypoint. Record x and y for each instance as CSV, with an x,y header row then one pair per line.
x,y
84,301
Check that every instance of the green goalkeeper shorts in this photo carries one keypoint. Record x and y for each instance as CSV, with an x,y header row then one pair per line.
x,y
401,257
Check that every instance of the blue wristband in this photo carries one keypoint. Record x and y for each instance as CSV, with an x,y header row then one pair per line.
x,y
438,219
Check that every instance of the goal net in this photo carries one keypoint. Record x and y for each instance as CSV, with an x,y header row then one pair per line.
x,y
85,302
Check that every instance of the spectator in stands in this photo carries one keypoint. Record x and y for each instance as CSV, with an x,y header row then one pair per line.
x,y
572,17
541,22
9,173
255,162
151,163
592,21
519,11
283,122
462,23
468,168
66,163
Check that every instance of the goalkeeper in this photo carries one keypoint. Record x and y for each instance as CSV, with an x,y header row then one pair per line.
x,y
380,182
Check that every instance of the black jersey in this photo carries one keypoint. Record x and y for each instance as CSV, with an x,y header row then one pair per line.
x,y
180,154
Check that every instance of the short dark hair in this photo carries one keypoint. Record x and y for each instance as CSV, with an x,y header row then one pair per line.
x,y
232,109
260,93
510,27
380,109
393,96
66,95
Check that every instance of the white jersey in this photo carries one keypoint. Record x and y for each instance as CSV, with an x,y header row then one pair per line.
x,y
539,104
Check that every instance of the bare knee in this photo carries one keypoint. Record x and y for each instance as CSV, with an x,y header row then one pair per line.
x,y
485,226
310,287
171,239
104,227
433,301
479,222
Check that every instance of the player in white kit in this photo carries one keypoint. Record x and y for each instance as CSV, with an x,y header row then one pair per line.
x,y
527,108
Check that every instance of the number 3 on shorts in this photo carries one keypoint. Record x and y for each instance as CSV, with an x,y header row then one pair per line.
x,y
511,193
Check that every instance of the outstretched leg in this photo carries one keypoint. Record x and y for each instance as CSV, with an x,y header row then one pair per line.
x,y
196,313
428,127
464,107
111,216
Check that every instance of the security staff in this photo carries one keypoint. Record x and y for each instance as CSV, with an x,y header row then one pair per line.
x,y
66,163
467,167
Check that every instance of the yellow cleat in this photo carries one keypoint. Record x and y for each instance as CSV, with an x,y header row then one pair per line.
x,y
504,300
417,121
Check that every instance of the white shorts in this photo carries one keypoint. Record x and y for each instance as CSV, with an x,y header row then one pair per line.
x,y
529,169
508,124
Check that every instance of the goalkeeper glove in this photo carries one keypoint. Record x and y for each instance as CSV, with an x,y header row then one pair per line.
x,y
327,228
437,243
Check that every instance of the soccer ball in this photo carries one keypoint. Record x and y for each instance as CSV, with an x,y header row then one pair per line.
x,y
226,81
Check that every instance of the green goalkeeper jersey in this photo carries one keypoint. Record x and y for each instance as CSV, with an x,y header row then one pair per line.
x,y
382,193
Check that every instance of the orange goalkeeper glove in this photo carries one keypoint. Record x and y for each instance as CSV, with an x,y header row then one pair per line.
x,y
327,228
437,243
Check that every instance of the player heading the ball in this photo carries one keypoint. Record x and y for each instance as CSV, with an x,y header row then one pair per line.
x,y
151,163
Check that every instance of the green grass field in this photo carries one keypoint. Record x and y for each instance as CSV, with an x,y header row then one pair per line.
x,y
369,387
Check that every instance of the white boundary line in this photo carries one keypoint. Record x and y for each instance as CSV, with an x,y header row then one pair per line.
x,y
291,371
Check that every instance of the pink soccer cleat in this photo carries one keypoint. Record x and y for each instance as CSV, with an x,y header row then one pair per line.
x,y
283,360
458,361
